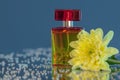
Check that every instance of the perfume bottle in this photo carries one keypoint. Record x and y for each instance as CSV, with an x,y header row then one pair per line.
x,y
61,38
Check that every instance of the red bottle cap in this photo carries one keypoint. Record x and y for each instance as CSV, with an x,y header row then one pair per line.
x,y
67,15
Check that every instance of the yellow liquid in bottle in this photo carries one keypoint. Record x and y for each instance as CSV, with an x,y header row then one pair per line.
x,y
61,38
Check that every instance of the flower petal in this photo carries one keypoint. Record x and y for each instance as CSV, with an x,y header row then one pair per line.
x,y
99,33
74,44
109,52
74,53
74,61
82,34
108,37
105,66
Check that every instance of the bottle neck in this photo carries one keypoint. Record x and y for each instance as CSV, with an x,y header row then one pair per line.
x,y
67,23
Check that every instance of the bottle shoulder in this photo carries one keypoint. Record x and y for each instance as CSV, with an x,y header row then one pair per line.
x,y
66,29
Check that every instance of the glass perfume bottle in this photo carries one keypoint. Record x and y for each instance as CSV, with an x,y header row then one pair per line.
x,y
61,38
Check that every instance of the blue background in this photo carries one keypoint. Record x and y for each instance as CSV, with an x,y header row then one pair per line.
x,y
27,23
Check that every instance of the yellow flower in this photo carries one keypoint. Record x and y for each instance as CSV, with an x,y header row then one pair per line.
x,y
91,50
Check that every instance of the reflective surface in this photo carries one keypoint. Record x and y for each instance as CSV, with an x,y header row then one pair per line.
x,y
35,64
30,64
88,75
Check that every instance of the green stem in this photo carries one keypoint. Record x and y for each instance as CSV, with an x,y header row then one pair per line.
x,y
113,61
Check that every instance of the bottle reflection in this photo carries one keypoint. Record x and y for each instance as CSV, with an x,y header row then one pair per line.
x,y
61,73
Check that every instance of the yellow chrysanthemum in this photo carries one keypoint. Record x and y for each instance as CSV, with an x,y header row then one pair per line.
x,y
91,50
